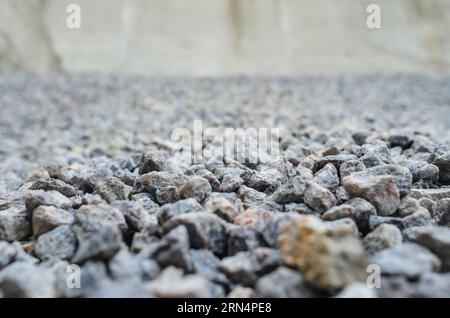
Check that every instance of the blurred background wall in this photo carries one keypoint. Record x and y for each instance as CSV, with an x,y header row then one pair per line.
x,y
226,37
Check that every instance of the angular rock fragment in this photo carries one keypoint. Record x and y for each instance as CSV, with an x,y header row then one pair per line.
x,y
290,192
401,175
181,207
205,230
167,194
433,194
400,139
157,180
59,243
55,185
171,250
342,195
242,239
299,208
251,197
270,206
422,170
284,165
275,225
437,240
222,208
336,160
253,218
206,264
197,188
47,218
263,180
375,221
327,177
319,198
443,212
360,137
384,236
246,267
208,175
410,260
283,283
232,197
230,183
428,204
325,261
374,154
14,224
381,191
136,216
419,218
345,225
36,198
362,212
153,160
350,166
443,163
112,189
97,239
102,213
338,212
408,206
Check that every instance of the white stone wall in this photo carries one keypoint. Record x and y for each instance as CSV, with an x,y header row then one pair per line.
x,y
226,37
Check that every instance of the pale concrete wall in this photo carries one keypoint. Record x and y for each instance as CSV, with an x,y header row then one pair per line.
x,y
24,41
226,37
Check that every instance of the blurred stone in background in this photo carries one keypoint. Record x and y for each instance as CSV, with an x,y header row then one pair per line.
x,y
226,37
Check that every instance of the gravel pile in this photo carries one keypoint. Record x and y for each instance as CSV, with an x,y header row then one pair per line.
x,y
89,180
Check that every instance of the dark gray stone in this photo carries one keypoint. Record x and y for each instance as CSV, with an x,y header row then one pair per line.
x,y
59,243
55,185
327,177
246,267
197,188
410,260
14,224
283,283
205,230
290,192
443,163
382,237
437,240
181,207
318,198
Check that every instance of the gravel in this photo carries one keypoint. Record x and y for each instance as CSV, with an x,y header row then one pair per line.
x,y
93,184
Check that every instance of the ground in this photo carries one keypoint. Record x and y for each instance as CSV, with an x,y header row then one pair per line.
x,y
88,176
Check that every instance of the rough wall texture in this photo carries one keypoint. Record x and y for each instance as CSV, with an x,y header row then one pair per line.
x,y
226,37
25,41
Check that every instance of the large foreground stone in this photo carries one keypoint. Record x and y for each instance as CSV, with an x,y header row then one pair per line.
x,y
327,261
